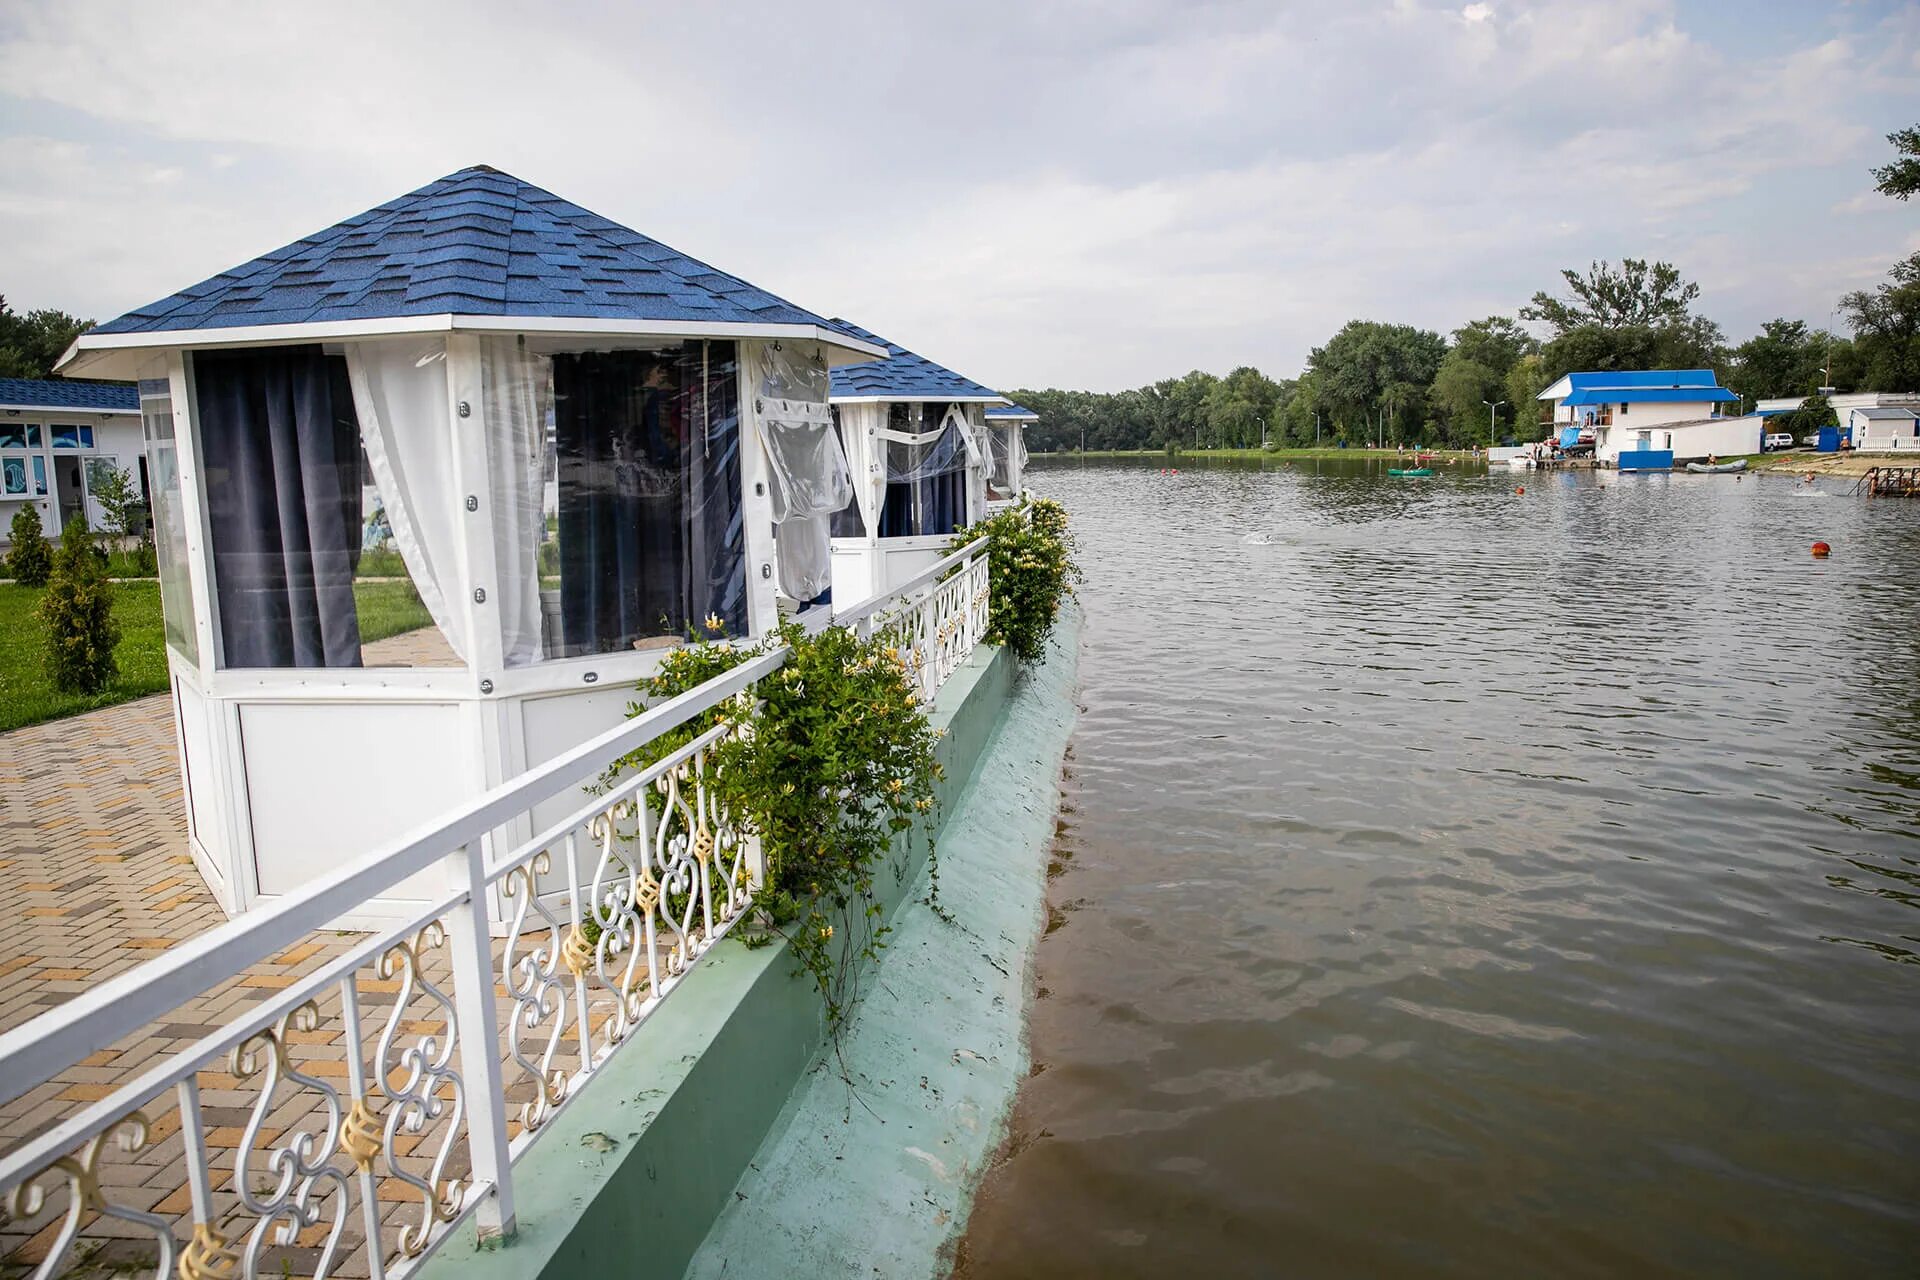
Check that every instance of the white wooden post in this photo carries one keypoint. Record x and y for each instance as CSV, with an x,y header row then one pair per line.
x,y
479,1036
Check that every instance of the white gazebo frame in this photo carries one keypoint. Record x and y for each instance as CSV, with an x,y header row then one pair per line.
x,y
289,771
868,565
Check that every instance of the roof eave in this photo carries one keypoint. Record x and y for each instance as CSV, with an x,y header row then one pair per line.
x,y
930,397
119,355
7,406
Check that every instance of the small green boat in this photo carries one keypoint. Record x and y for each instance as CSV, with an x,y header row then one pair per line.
x,y
1410,473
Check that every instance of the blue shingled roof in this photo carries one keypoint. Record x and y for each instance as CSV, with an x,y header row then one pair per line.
x,y
902,375
1011,411
1647,395
479,243
1644,378
69,393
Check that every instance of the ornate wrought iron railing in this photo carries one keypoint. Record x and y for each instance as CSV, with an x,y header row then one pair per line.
x,y
356,1097
939,615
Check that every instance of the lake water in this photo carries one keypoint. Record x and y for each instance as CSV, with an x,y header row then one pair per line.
x,y
1460,883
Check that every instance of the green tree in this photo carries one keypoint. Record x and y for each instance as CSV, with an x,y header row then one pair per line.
x,y
1901,177
118,494
30,345
1525,381
78,613
1238,404
1786,358
29,557
1473,375
1374,377
1886,329
1635,295
1815,411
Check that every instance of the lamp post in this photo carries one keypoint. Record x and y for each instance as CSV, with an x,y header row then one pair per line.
x,y
1492,406
1263,433
1316,428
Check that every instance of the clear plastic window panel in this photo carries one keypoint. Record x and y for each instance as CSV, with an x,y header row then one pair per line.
x,y
623,481
169,519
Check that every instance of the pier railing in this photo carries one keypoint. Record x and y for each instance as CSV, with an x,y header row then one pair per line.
x,y
341,1102
939,615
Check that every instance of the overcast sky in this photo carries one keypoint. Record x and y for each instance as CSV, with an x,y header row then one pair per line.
x,y
1080,194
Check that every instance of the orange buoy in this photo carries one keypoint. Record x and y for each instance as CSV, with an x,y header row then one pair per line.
x,y
1822,550
1520,489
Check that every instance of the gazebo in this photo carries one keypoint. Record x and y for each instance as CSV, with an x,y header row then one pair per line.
x,y
1007,453
915,436
433,488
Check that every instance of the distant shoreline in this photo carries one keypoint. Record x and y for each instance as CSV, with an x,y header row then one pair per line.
x,y
1458,455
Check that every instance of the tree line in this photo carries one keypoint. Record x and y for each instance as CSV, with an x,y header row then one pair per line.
x,y
1379,383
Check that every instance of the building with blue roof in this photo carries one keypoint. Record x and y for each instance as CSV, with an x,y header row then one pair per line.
x,y
571,441
59,438
1673,411
923,462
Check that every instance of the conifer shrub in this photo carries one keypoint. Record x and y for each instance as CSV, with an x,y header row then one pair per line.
x,y
30,557
78,614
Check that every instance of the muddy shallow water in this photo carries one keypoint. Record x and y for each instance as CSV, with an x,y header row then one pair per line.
x,y
1457,882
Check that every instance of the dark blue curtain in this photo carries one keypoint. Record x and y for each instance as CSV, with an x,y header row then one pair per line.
x,y
651,534
943,501
710,405
280,449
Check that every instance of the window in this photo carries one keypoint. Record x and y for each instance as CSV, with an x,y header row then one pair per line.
x,y
1623,408
72,437
169,520
926,471
847,522
617,493
21,474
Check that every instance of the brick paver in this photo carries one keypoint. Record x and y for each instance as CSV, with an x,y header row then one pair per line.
x,y
95,879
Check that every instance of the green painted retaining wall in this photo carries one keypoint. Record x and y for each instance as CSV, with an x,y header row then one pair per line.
x,y
628,1179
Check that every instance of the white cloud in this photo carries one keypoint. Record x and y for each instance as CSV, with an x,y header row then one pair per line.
x,y
1095,193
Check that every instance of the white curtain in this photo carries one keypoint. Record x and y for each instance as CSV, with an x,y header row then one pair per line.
x,y
806,464
516,388
400,396
859,424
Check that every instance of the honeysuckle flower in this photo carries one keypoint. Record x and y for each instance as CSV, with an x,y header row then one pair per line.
x,y
713,623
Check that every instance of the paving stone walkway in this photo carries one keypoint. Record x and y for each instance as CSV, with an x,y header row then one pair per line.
x,y
95,878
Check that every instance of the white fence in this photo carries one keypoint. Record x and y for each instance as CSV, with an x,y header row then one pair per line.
x,y
345,1121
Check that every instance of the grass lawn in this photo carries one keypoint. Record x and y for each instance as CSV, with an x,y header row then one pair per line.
x,y
26,697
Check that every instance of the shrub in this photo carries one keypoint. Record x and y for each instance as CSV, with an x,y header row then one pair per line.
x,y
1030,556
78,613
29,559
838,762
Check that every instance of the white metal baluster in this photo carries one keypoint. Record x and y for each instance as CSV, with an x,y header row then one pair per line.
x,y
478,1032
577,914
357,1082
207,1243
697,777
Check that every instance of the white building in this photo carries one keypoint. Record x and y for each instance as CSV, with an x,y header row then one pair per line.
x,y
1873,421
1007,453
1884,429
1656,409
581,441
58,437
915,434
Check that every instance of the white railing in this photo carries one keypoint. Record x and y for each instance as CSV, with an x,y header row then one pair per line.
x,y
370,1103
939,615
380,1091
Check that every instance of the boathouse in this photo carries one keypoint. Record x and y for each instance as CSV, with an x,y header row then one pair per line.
x,y
914,433
570,442
1609,410
59,439
1884,428
1007,453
